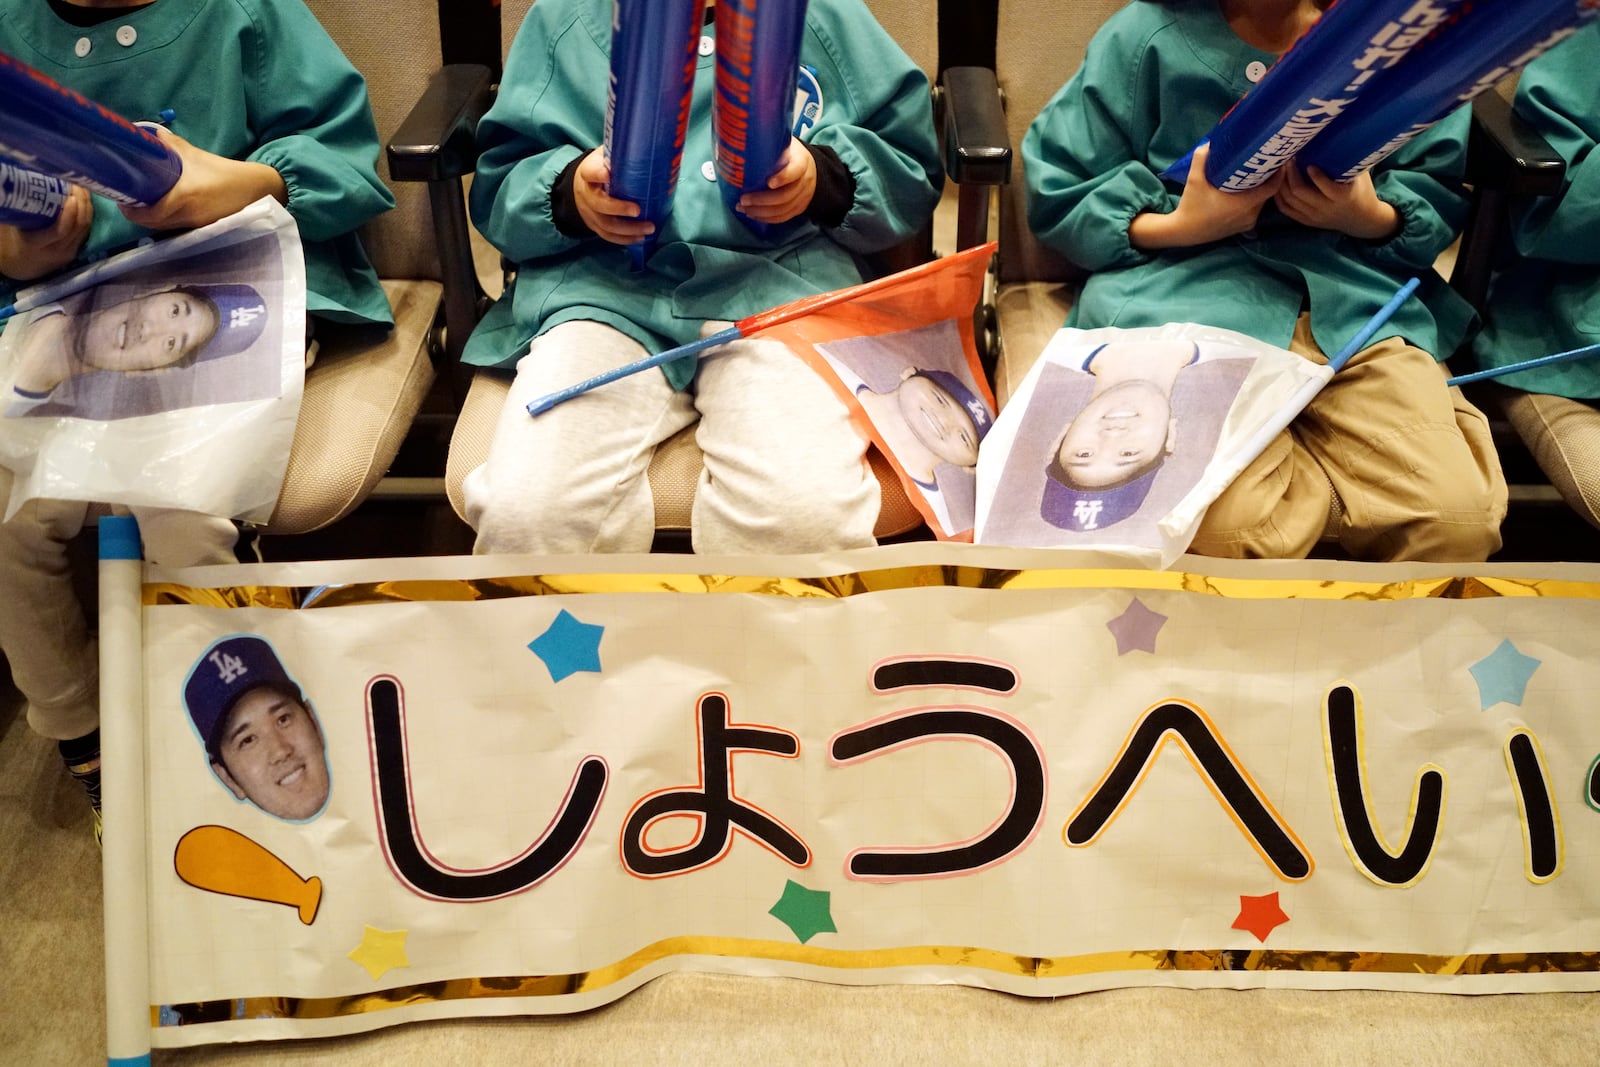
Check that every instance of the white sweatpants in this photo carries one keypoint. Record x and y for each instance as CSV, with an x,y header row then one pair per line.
x,y
43,632
785,471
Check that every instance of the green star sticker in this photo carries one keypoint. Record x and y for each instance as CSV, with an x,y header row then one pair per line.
x,y
804,911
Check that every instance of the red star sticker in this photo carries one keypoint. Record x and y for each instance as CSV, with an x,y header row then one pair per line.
x,y
1259,915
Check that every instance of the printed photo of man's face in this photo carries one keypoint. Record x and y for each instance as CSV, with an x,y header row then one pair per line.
x,y
259,730
271,754
147,332
938,420
1118,436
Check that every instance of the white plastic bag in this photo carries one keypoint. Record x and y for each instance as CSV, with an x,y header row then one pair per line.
x,y
167,376
1119,439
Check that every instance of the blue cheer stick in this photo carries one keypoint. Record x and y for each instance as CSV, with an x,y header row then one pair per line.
x,y
1359,341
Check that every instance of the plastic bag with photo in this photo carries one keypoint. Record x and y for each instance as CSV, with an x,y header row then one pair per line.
x,y
167,376
1119,439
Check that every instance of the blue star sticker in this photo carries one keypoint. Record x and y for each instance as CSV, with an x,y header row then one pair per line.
x,y
569,646
804,911
1136,628
1503,675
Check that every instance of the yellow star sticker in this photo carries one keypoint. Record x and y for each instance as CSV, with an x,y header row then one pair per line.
x,y
381,951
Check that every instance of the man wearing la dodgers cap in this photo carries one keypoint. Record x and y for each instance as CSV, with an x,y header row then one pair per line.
x,y
261,735
929,418
1108,456
152,331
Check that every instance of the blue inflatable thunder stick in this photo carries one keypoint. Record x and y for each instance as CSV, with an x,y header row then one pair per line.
x,y
1322,75
29,200
1483,44
758,64
654,48
49,129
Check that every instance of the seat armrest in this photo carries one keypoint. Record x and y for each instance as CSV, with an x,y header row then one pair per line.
x,y
437,140
977,149
1506,159
1504,152
437,144
977,157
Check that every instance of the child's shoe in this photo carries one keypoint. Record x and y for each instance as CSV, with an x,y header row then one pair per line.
x,y
82,757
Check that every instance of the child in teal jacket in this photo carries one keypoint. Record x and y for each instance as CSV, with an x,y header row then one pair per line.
x,y
263,103
1386,459
784,469
1547,299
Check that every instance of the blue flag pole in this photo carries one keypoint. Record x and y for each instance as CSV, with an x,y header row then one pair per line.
x,y
1359,341
1527,364
544,403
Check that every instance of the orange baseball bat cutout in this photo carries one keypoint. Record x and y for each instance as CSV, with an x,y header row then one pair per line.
x,y
220,860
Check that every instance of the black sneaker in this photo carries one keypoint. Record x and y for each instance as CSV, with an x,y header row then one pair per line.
x,y
82,758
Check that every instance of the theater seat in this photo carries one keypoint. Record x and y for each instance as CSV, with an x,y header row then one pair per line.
x,y
365,387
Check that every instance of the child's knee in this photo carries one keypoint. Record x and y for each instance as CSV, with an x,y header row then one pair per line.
x,y
1455,518
1277,508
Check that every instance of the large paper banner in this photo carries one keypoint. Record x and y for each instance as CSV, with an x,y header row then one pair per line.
x,y
394,790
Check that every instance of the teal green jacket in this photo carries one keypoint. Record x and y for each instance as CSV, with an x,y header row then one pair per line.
x,y
1155,80
256,80
707,264
1549,302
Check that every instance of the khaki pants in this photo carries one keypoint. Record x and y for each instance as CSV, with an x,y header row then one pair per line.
x,y
1386,459
43,632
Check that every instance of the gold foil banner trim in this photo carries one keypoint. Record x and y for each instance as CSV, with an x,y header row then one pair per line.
x,y
856,583
549,985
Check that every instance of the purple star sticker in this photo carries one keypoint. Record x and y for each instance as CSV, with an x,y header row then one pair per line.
x,y
1136,628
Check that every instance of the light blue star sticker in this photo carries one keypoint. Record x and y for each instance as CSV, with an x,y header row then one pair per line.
x,y
1136,628
804,911
569,646
1503,675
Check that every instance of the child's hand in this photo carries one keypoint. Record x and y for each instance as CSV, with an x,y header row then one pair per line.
x,y
29,254
211,187
1204,212
788,192
611,219
1314,199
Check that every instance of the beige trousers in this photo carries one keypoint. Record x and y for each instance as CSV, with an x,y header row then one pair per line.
x,y
785,471
1386,459
43,632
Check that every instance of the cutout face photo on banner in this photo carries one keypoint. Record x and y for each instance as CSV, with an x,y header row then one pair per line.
x,y
175,335
1113,435
258,728
913,393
